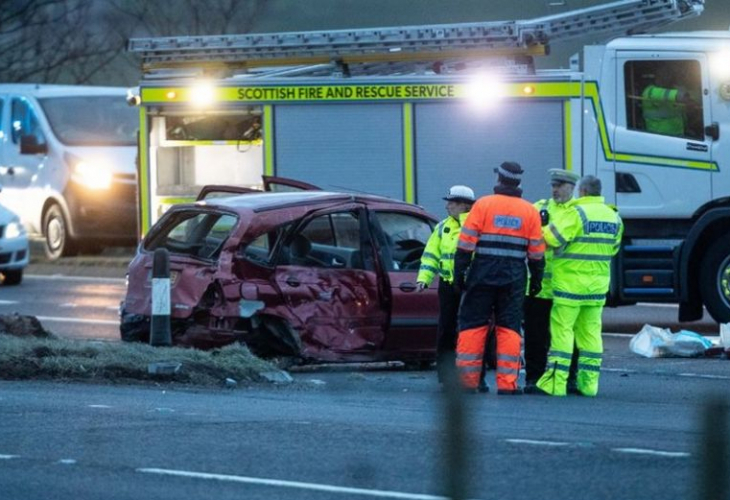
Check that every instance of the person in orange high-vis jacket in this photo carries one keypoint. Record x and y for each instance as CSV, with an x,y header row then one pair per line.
x,y
501,232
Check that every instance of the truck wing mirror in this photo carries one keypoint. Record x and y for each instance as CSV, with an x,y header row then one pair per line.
x,y
713,131
29,145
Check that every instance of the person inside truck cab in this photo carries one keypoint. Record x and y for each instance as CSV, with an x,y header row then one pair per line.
x,y
668,108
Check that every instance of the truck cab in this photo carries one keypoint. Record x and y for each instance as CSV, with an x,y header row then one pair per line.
x,y
668,179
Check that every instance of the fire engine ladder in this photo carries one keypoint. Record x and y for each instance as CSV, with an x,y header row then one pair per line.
x,y
399,49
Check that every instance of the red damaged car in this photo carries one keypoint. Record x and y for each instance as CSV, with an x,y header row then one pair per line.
x,y
315,275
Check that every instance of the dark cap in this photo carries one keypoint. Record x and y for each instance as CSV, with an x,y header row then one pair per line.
x,y
558,175
510,170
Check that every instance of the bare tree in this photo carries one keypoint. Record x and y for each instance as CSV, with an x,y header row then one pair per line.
x,y
188,17
143,18
53,41
84,41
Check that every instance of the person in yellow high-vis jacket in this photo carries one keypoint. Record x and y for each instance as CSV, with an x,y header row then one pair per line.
x,y
438,260
667,107
584,240
537,309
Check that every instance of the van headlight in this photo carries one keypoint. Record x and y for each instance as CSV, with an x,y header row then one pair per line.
x,y
91,174
14,230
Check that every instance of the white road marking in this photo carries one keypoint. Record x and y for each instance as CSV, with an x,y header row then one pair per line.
x,y
7,457
536,442
99,406
68,304
61,277
79,320
8,302
293,484
67,461
702,375
658,453
652,372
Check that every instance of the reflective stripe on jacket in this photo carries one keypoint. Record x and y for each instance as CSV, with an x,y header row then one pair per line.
x,y
438,256
501,231
584,240
662,112
554,209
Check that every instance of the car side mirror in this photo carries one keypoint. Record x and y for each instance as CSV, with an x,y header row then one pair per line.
x,y
29,145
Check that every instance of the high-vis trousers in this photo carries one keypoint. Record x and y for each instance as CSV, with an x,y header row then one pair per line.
x,y
477,306
537,340
569,324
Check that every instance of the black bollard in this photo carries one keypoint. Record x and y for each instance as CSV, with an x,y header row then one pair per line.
x,y
160,332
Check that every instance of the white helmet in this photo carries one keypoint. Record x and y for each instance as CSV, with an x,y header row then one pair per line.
x,y
460,193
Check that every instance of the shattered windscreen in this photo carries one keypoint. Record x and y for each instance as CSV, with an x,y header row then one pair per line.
x,y
195,234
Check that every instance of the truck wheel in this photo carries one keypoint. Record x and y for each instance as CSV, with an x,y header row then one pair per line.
x,y
58,241
715,280
13,277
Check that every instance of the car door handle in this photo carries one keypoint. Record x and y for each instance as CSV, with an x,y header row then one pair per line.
x,y
408,287
293,282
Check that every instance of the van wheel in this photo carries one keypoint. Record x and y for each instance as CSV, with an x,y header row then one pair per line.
x,y
715,280
13,277
58,241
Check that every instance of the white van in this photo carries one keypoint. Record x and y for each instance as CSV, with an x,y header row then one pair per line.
x,y
67,164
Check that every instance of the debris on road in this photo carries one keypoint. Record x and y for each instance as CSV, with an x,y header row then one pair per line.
x,y
25,357
656,342
19,325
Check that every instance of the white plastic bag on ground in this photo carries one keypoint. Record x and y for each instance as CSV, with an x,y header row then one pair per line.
x,y
655,342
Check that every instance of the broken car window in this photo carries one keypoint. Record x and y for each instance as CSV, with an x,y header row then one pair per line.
x,y
328,241
195,234
261,250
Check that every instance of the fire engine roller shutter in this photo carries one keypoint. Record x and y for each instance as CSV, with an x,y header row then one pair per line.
x,y
457,144
336,146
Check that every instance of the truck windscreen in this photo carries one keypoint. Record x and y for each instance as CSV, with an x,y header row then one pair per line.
x,y
92,120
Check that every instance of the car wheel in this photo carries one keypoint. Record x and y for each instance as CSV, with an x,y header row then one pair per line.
x,y
13,277
715,280
58,241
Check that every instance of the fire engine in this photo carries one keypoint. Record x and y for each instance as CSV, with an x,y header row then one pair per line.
x,y
406,112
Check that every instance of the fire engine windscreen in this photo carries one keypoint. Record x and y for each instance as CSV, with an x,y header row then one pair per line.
x,y
92,120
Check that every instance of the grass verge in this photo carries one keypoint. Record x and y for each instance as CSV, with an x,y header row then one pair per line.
x,y
23,358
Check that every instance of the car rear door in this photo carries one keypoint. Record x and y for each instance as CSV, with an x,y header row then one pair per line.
x,y
326,274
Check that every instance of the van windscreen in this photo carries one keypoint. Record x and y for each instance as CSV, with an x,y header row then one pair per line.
x,y
92,120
